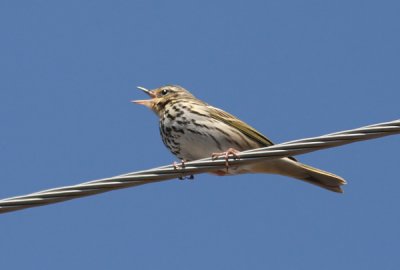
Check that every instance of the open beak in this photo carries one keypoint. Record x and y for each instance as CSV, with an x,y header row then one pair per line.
x,y
147,102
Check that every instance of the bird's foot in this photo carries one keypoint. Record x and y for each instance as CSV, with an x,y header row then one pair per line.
x,y
230,152
181,166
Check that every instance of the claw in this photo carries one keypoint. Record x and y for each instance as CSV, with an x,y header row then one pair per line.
x,y
181,166
230,152
178,166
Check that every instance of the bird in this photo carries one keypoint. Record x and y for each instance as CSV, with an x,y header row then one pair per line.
x,y
193,129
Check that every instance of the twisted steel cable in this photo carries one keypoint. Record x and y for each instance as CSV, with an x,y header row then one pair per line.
x,y
291,148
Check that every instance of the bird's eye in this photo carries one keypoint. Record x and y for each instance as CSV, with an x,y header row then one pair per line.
x,y
164,92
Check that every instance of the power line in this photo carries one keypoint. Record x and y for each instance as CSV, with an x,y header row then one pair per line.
x,y
291,148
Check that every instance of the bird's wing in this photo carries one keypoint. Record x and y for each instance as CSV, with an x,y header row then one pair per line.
x,y
231,120
247,130
244,128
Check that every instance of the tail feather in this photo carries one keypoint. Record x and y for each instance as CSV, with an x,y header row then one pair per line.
x,y
323,179
295,169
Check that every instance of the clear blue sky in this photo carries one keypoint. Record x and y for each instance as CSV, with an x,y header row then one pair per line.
x,y
292,69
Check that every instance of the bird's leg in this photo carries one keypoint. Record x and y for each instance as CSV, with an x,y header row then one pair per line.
x,y
230,152
178,166
181,166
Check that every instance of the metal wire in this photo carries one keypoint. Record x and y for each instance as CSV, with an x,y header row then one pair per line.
x,y
291,148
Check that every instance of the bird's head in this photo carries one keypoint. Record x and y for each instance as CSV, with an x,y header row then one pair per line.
x,y
162,96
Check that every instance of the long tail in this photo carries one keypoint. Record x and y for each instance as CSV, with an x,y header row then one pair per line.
x,y
295,169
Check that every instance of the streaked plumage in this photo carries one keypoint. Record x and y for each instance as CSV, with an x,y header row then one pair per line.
x,y
192,129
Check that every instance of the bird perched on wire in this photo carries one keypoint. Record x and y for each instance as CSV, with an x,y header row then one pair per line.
x,y
192,130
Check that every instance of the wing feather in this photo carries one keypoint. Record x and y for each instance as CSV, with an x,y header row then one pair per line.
x,y
244,128
241,126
